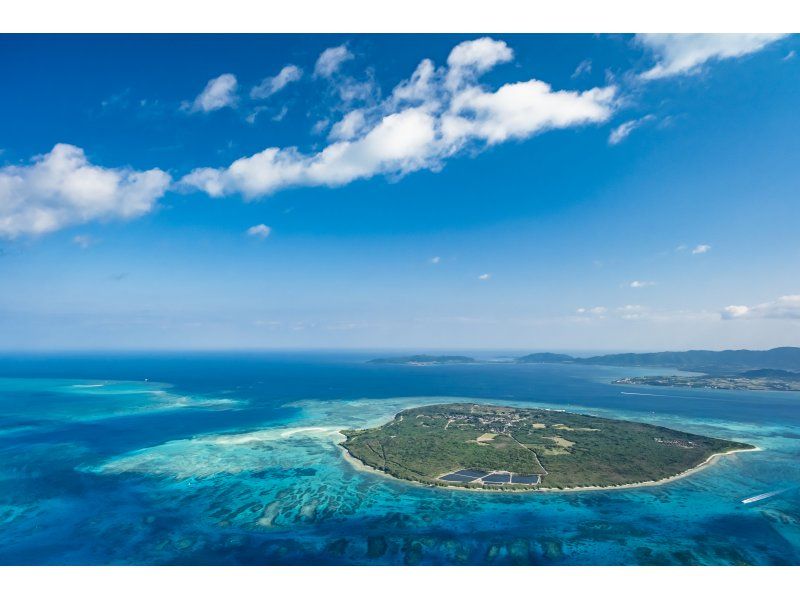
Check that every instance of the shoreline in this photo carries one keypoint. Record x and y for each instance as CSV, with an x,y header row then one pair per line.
x,y
359,465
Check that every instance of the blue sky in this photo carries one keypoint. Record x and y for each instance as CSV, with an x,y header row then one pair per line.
x,y
514,192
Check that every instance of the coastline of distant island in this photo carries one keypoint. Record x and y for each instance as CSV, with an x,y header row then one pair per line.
x,y
774,369
488,447
424,360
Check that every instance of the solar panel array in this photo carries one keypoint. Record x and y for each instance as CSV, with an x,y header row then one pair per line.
x,y
466,476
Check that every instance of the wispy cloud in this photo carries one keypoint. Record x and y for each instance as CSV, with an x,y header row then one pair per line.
x,y
486,276
272,85
701,249
640,284
83,241
218,93
262,231
598,310
435,259
786,307
63,188
584,68
686,53
621,132
330,60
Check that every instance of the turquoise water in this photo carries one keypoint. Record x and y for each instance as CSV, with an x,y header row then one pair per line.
x,y
233,459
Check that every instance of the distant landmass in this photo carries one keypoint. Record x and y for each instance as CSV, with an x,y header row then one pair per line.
x,y
709,362
546,358
424,360
751,380
773,369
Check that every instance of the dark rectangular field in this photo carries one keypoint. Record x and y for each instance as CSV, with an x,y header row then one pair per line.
x,y
524,479
471,473
497,478
454,477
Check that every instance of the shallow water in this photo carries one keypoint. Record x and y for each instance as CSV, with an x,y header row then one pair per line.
x,y
232,459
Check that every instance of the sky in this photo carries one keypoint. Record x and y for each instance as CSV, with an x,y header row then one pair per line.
x,y
524,192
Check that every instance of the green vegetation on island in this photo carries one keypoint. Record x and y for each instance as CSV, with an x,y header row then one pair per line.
x,y
471,444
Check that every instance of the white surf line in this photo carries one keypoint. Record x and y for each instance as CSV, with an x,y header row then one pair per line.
x,y
764,496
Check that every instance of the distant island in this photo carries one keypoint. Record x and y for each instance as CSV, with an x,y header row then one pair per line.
x,y
765,379
424,360
488,447
773,369
709,362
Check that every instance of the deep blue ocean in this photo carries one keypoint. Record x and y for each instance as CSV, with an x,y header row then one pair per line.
x,y
232,459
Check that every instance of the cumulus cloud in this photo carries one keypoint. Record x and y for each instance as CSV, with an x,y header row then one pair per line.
x,y
330,60
218,93
486,276
430,117
262,231
786,307
272,85
62,188
470,59
640,284
618,134
701,249
685,53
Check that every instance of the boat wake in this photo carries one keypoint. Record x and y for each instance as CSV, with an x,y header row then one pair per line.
x,y
760,497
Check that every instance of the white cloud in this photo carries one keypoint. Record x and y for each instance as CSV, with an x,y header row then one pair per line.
x,y
330,60
486,276
790,55
786,307
272,85
685,53
640,284
594,311
619,133
262,231
519,110
218,93
424,122
701,249
351,125
62,188
472,58
435,259
422,87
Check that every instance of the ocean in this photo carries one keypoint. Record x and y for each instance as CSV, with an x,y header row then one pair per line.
x,y
232,459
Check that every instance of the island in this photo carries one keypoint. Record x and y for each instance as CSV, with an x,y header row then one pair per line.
x,y
423,360
490,447
726,362
765,379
